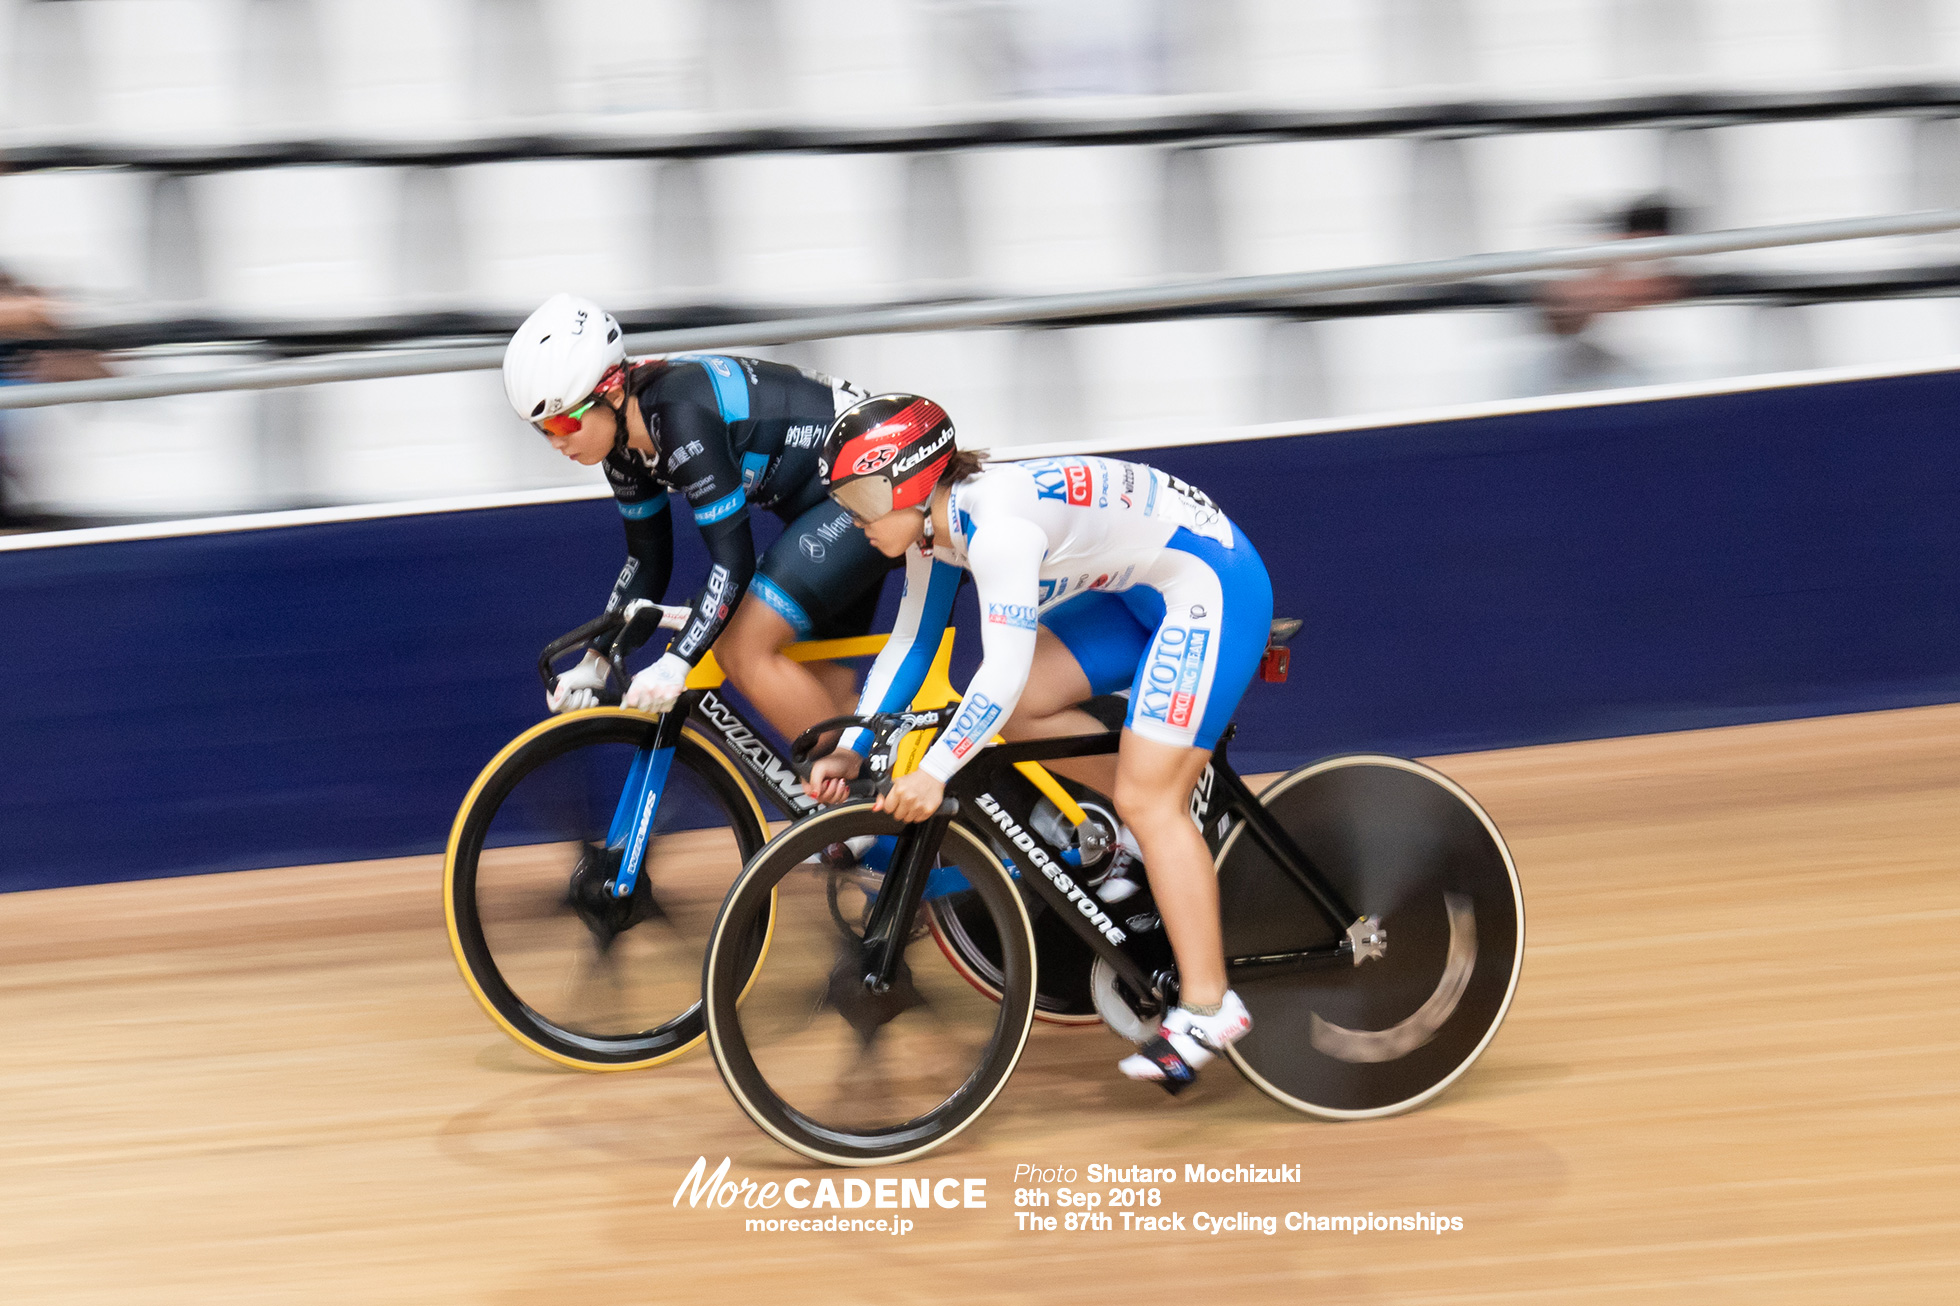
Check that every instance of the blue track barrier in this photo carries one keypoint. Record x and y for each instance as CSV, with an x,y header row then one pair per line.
x,y
327,692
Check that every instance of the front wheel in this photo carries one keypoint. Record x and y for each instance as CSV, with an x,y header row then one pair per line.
x,y
827,1065
562,963
1404,843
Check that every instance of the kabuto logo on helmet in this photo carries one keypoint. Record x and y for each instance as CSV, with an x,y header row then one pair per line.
x,y
925,452
872,459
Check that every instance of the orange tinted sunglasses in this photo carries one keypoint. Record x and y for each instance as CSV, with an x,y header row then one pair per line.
x,y
567,422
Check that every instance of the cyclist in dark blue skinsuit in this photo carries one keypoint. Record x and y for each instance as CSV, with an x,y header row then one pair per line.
x,y
725,434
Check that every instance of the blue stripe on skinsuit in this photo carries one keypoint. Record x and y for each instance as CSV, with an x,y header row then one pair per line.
x,y
782,605
731,387
646,508
721,509
933,618
942,583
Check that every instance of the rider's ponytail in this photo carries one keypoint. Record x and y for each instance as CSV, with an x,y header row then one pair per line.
x,y
965,462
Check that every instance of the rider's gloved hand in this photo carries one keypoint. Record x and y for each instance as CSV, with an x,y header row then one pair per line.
x,y
830,776
580,686
656,688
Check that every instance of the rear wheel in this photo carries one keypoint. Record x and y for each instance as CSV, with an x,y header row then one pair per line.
x,y
560,962
824,1064
1404,843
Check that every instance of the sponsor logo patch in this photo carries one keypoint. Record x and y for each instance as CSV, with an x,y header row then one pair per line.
x,y
812,547
1171,674
1020,616
974,723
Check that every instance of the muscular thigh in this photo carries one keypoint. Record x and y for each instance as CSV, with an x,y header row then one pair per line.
x,y
822,576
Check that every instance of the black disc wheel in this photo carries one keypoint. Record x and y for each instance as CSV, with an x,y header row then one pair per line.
x,y
1402,843
838,1069
562,961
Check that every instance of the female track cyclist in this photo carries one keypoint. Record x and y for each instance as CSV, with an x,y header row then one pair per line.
x,y
727,434
1094,575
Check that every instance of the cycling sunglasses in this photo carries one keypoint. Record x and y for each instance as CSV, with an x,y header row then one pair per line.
x,y
567,422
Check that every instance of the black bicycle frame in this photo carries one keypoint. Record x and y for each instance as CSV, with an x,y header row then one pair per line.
x,y
1002,802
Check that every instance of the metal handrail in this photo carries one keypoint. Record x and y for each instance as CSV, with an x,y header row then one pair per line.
x,y
1029,310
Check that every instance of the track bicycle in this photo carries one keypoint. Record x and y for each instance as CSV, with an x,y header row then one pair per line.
x,y
1373,925
587,861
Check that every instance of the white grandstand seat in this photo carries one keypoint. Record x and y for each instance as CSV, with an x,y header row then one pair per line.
x,y
80,234
55,81
185,454
166,69
283,78
819,228
1655,40
429,437
526,243
1770,42
1294,383
1684,342
1147,379
411,82
1442,200
1313,204
1431,45
1808,171
843,46
300,242
937,250
1328,52
1191,233
1064,219
1419,360
970,373
1885,331
1543,47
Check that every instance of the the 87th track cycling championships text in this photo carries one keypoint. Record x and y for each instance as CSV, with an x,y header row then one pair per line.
x,y
1098,1198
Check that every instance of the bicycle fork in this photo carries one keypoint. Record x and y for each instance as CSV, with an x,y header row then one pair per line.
x,y
890,922
639,798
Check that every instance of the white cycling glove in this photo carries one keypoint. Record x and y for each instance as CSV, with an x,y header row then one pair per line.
x,y
656,688
579,687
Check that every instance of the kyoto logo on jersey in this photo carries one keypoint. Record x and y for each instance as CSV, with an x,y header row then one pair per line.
x,y
1170,679
1064,480
1021,616
973,725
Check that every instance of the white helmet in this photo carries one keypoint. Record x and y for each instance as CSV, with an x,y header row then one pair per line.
x,y
559,356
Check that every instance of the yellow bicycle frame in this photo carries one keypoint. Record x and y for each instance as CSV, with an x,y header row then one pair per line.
x,y
936,692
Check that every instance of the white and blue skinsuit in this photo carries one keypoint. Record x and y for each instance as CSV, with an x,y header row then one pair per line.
x,y
1141,576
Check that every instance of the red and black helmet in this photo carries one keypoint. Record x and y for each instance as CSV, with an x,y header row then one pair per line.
x,y
887,453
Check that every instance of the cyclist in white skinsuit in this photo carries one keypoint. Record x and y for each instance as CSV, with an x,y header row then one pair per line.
x,y
1093,575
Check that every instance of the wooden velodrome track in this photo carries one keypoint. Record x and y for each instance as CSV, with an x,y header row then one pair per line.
x,y
1729,1076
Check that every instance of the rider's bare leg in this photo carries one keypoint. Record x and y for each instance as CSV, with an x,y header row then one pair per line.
x,y
793,696
1153,796
1048,710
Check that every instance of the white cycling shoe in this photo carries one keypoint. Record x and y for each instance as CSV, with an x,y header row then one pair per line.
x,y
1185,1043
